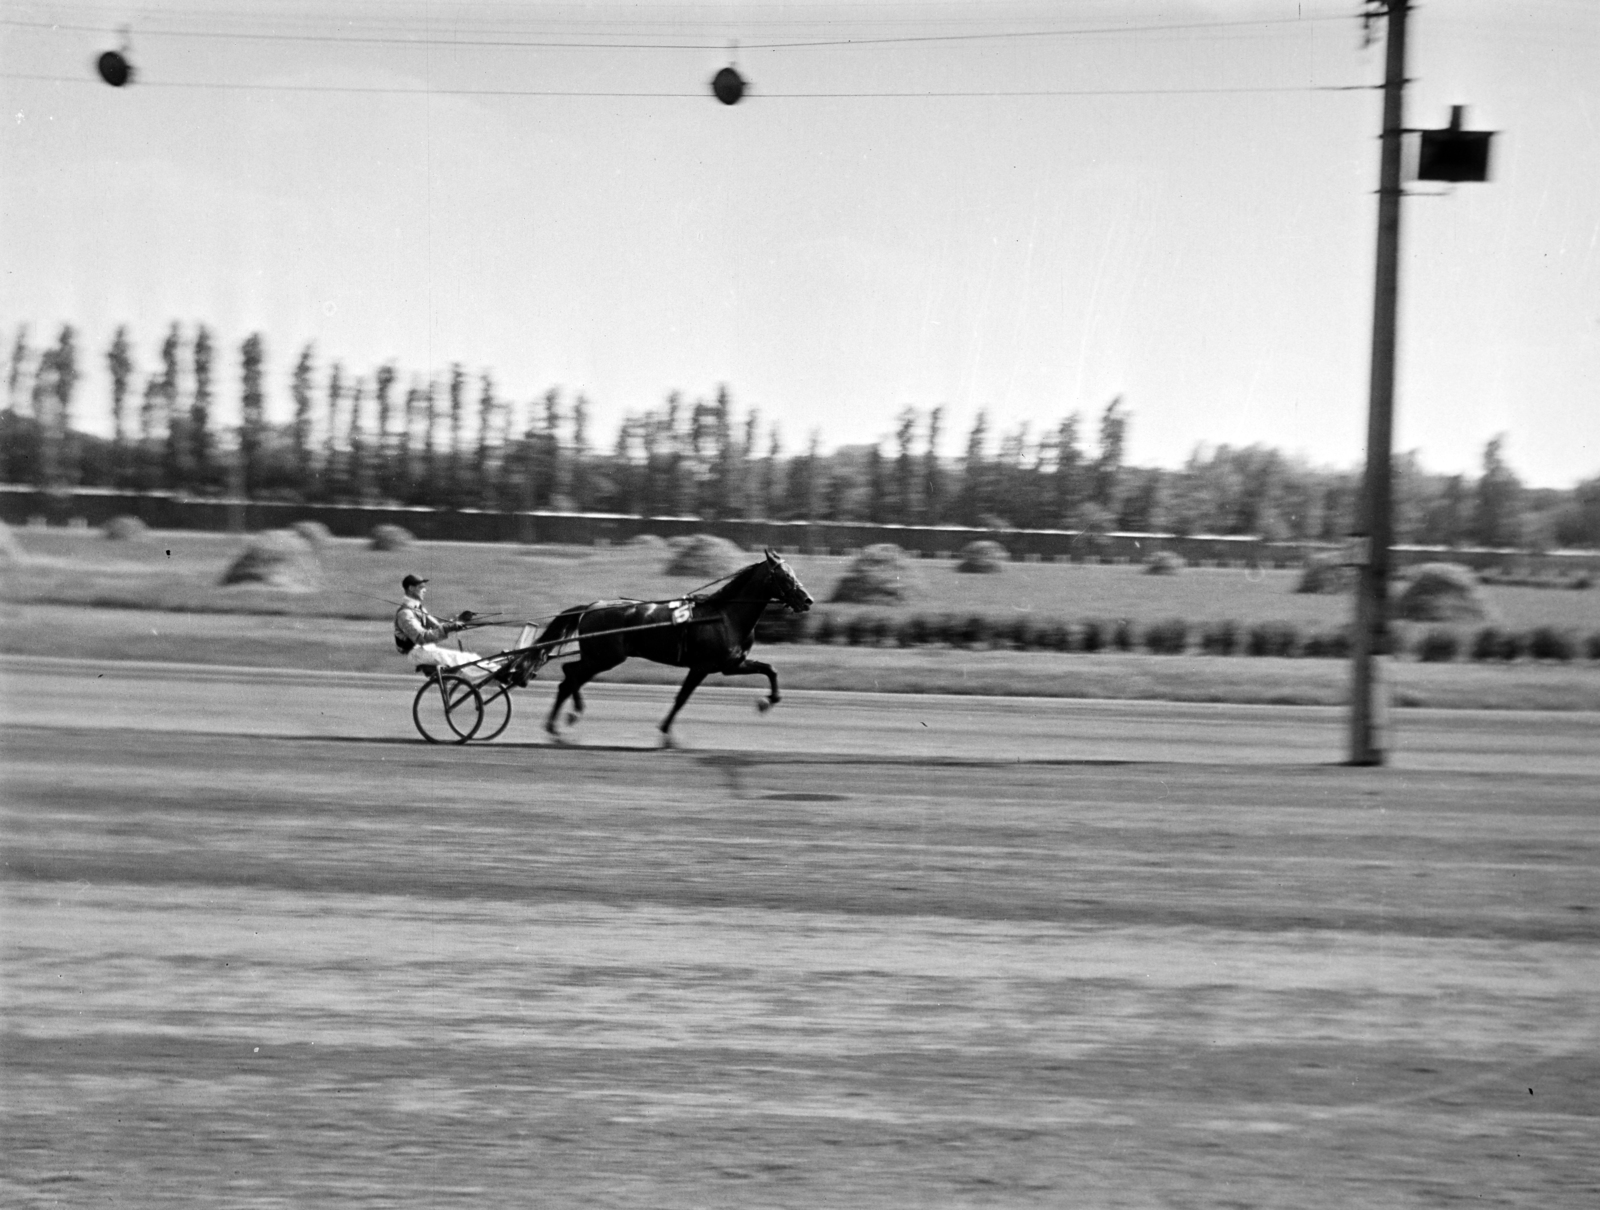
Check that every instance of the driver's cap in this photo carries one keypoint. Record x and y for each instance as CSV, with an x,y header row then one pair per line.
x,y
411,582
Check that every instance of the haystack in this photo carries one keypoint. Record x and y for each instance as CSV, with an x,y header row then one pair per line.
x,y
124,529
880,574
984,557
704,555
391,537
1326,574
1164,563
314,532
1443,592
280,559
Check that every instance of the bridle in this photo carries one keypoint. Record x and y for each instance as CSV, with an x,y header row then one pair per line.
x,y
791,593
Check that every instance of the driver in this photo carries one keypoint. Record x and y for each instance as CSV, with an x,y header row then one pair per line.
x,y
417,633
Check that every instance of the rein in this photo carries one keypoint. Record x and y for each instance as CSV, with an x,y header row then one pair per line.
x,y
695,591
732,575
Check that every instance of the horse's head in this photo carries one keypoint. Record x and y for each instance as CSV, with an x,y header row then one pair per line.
x,y
784,585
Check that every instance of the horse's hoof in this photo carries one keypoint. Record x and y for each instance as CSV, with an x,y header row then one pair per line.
x,y
572,719
763,705
667,741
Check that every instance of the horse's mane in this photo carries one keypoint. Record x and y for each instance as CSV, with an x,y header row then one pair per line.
x,y
735,584
729,585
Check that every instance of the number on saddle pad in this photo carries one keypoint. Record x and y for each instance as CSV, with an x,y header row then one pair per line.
x,y
682,611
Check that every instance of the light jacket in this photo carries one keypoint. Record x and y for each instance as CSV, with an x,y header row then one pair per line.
x,y
414,625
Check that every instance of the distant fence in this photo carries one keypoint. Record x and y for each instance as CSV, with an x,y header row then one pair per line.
x,y
92,507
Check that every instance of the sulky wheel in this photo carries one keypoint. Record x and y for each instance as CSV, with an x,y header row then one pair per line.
x,y
447,710
496,710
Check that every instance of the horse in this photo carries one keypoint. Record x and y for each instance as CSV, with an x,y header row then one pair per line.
x,y
703,633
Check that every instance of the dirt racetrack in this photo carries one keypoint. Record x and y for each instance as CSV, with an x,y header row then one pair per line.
x,y
263,948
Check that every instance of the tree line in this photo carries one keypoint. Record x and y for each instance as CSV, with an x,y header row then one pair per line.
x,y
452,440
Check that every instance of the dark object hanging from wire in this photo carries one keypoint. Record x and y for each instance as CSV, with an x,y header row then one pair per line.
x,y
1453,154
728,85
115,69
114,66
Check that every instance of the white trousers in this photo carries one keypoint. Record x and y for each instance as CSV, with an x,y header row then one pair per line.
x,y
445,657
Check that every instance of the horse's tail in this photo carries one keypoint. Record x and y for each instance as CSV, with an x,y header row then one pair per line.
x,y
562,627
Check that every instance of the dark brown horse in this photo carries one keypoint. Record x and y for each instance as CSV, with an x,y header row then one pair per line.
x,y
705,634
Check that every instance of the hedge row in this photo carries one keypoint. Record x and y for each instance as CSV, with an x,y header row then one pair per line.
x,y
1172,636
1581,581
1442,645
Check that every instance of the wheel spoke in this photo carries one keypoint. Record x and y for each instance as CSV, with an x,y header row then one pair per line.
x,y
463,709
496,710
447,710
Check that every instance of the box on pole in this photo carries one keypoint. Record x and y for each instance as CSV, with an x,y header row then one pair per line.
x,y
1454,154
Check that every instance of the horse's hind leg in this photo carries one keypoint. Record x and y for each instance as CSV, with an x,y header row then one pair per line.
x,y
574,676
690,684
563,692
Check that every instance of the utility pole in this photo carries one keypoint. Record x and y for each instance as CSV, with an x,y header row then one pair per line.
x,y
1374,521
1452,155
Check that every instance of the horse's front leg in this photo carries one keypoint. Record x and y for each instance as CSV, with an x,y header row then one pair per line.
x,y
751,668
690,684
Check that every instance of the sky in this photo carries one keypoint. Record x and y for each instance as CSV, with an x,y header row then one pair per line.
x,y
1019,207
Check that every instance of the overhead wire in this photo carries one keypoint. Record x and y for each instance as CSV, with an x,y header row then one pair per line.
x,y
438,42
698,94
791,44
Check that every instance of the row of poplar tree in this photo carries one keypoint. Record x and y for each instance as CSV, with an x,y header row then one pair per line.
x,y
452,441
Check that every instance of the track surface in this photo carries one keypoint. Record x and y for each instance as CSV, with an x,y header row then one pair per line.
x,y
261,948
